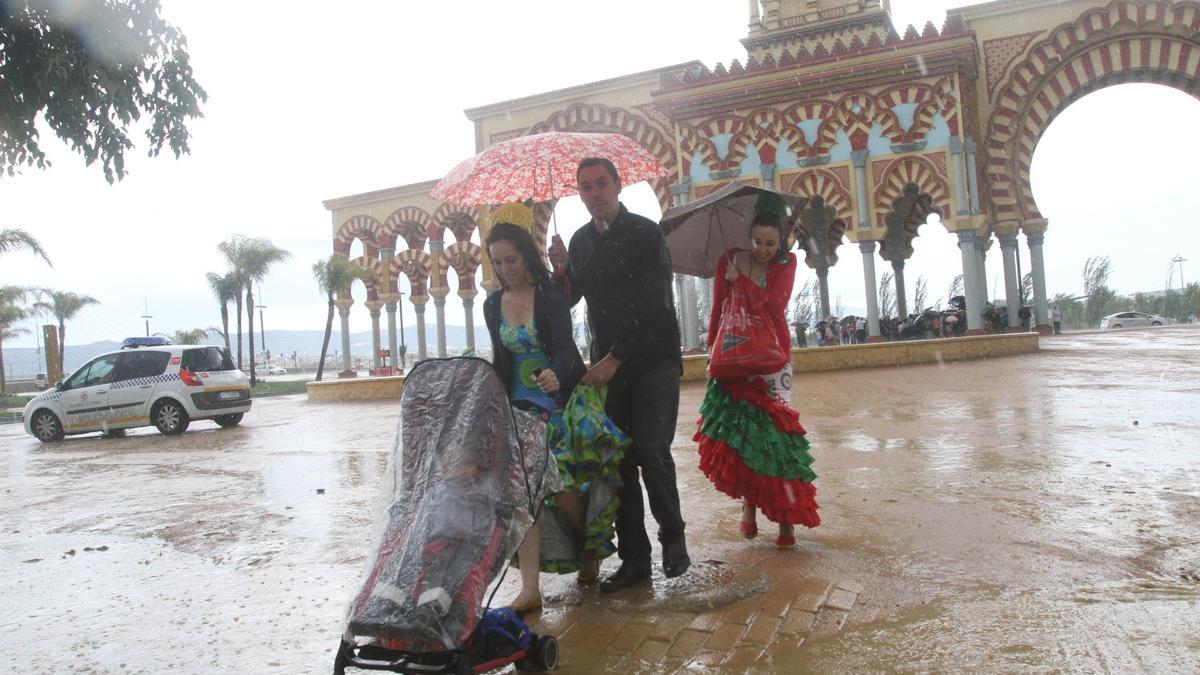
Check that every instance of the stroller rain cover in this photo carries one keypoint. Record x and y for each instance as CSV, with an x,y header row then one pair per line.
x,y
464,480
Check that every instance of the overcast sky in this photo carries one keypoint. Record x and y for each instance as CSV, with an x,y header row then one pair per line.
x,y
309,101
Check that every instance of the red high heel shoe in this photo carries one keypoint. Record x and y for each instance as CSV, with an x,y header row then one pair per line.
x,y
749,529
785,540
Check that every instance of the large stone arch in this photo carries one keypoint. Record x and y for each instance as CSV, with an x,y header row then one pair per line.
x,y
597,117
894,175
1126,41
361,227
412,224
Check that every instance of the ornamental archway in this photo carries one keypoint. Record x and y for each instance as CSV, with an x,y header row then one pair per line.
x,y
1151,42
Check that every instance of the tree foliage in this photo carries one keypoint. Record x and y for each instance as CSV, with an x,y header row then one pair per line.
x,y
224,288
887,295
956,287
12,239
250,258
806,305
334,276
194,336
89,71
921,294
1099,296
63,305
11,311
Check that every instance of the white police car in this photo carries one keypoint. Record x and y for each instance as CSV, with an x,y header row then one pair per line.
x,y
145,383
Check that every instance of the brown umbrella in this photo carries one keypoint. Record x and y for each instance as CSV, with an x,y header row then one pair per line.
x,y
699,232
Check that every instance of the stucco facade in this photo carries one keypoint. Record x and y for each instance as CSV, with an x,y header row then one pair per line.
x,y
885,126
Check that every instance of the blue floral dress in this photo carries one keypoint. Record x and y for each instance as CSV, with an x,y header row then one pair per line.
x,y
580,468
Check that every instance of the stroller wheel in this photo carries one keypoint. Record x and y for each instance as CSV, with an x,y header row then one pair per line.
x,y
545,654
339,662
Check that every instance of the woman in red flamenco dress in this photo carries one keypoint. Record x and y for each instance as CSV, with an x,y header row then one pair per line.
x,y
752,445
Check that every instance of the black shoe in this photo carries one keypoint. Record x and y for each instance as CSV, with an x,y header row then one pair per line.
x,y
675,558
626,575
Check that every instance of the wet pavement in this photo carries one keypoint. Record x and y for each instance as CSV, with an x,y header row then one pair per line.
x,y
1036,512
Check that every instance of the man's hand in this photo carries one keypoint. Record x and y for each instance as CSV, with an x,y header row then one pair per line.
x,y
558,253
599,374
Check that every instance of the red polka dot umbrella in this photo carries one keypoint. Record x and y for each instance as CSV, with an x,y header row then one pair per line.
x,y
541,167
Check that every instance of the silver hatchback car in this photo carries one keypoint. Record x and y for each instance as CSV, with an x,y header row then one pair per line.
x,y
1131,320
167,386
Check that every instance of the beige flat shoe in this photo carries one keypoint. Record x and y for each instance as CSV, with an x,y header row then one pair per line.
x,y
523,607
588,572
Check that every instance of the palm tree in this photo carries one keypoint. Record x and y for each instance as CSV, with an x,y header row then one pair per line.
x,y
194,336
10,314
333,276
63,305
225,290
13,238
232,250
251,259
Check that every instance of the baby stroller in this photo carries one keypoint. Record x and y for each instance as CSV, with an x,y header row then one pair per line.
x,y
463,485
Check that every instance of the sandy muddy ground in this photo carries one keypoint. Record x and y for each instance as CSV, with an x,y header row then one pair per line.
x,y
1037,512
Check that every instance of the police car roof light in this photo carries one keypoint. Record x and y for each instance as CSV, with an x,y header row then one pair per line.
x,y
135,342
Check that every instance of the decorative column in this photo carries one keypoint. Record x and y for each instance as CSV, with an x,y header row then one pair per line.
x,y
960,191
902,224
868,255
1012,285
819,233
867,247
981,254
391,307
343,305
970,261
973,190
767,171
438,293
419,302
823,291
901,298
439,313
468,300
374,306
1038,268
689,311
390,300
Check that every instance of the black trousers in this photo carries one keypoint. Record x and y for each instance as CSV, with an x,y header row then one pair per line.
x,y
645,405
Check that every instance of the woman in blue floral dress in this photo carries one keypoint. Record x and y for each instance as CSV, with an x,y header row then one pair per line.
x,y
534,352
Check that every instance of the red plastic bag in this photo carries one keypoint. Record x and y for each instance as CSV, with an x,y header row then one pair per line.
x,y
745,343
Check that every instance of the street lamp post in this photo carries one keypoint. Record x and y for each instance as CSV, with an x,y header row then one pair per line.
x,y
1178,260
262,327
146,315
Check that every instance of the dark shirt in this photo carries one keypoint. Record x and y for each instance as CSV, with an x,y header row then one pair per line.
x,y
625,275
552,320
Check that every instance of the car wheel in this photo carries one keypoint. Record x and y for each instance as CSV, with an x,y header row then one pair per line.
x,y
1115,325
46,427
231,420
170,417
1155,323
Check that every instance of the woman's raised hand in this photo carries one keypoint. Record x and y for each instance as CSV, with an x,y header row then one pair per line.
x,y
547,381
731,270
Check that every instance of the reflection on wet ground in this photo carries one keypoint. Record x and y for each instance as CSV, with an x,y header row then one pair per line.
x,y
1038,512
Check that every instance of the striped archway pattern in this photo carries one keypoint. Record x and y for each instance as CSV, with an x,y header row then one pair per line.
x,y
1126,41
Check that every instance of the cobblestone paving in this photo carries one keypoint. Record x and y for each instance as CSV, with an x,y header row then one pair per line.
x,y
742,635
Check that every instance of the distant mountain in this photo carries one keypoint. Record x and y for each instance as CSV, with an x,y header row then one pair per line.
x,y
24,362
